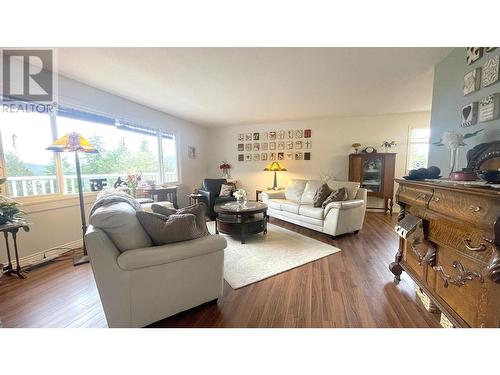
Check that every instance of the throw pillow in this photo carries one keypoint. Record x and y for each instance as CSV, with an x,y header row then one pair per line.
x,y
226,190
198,209
336,196
321,194
164,230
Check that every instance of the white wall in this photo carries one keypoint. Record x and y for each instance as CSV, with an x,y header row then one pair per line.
x,y
331,145
58,222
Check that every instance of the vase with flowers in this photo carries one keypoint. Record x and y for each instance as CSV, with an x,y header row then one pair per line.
x,y
387,145
454,140
225,168
133,181
241,196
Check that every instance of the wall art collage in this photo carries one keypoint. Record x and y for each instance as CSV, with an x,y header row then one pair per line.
x,y
275,145
488,108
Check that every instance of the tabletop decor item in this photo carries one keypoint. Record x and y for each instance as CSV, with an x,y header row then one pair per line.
x,y
225,167
133,181
388,145
240,195
369,150
454,141
74,142
275,167
356,147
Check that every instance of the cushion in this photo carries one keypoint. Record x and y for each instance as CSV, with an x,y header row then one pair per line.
x,y
291,207
120,223
321,194
311,211
199,210
226,190
310,190
275,204
174,228
336,196
351,187
294,190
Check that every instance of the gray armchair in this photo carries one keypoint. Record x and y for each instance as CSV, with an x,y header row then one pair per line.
x,y
210,191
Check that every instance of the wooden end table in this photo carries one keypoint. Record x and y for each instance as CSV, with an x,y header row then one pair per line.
x,y
162,194
235,219
13,228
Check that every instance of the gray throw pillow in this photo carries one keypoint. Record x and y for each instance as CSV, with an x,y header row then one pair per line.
x,y
321,194
164,230
198,209
336,196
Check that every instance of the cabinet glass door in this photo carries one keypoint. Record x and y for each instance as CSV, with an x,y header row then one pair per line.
x,y
372,175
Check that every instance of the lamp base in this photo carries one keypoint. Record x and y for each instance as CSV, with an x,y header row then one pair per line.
x,y
82,259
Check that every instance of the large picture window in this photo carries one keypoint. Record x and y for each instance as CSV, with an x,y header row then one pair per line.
x,y
123,149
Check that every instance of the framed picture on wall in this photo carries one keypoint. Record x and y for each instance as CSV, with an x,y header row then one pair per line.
x,y
256,157
280,134
298,145
256,146
264,146
298,156
289,145
256,136
264,136
472,81
289,156
308,144
281,145
272,145
191,152
272,136
263,156
272,156
491,71
241,137
469,115
281,156
248,157
241,157
307,133
248,147
472,54
307,156
289,134
241,147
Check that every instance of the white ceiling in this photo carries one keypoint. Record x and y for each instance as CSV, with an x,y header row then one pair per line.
x,y
229,86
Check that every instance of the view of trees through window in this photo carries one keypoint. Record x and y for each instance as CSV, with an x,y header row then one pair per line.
x,y
32,170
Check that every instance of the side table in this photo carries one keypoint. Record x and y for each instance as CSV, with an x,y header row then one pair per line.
x,y
13,228
194,198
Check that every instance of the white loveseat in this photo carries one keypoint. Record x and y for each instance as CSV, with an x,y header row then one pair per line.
x,y
140,284
295,205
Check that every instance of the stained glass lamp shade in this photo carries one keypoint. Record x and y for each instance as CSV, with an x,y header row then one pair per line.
x,y
275,167
74,142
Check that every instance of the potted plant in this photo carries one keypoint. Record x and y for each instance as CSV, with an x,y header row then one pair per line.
x,y
387,145
240,195
225,167
9,209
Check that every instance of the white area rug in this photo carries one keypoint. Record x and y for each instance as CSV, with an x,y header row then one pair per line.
x,y
265,256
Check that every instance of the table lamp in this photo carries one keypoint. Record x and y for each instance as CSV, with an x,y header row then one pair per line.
x,y
74,142
275,167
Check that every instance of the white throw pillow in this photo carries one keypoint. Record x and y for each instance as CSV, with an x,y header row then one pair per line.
x,y
120,223
294,190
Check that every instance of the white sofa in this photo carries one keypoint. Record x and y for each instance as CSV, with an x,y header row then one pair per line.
x,y
140,284
295,205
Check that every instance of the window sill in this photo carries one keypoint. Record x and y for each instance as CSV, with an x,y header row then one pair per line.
x,y
53,202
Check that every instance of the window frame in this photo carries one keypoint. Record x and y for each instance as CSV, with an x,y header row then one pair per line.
x,y
60,195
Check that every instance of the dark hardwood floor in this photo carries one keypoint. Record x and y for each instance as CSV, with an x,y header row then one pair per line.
x,y
352,288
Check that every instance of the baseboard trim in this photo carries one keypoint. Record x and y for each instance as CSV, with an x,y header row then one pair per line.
x,y
47,255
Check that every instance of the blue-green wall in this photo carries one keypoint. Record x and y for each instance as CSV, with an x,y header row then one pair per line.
x,y
447,103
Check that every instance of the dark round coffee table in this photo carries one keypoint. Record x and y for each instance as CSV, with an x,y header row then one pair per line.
x,y
236,219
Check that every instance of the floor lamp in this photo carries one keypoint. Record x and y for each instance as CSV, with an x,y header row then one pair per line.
x,y
74,142
275,167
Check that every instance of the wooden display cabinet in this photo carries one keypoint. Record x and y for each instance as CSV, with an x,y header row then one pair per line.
x,y
375,172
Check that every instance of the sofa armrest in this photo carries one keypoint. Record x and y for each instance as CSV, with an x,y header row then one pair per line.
x,y
272,194
156,255
344,205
